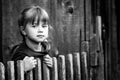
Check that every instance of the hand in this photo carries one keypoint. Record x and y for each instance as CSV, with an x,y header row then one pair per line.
x,y
29,63
48,60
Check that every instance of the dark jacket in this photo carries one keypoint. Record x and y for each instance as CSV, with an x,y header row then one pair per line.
x,y
20,51
23,50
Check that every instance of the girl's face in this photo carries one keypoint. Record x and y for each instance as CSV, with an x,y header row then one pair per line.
x,y
36,33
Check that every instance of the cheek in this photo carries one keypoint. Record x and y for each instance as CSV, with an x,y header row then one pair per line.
x,y
46,32
30,32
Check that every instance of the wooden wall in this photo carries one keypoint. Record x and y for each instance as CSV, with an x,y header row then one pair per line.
x,y
111,21
1,56
66,16
75,23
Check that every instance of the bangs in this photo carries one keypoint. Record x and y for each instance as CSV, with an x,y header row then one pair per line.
x,y
36,15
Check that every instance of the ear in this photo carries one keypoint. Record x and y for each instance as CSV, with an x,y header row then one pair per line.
x,y
22,29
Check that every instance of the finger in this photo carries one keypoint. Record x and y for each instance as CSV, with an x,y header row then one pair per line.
x,y
26,57
34,65
35,62
48,64
47,55
48,59
31,58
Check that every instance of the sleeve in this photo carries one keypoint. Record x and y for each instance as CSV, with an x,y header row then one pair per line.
x,y
18,56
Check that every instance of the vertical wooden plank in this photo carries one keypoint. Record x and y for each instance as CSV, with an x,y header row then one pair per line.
x,y
88,20
46,72
114,42
77,66
99,26
85,48
84,69
106,60
99,53
29,75
61,67
1,55
38,70
100,70
20,70
54,70
2,71
10,70
94,59
108,38
69,67
81,12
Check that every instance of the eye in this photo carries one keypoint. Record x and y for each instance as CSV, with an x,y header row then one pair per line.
x,y
44,25
34,25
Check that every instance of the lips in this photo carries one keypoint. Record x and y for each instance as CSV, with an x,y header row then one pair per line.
x,y
40,36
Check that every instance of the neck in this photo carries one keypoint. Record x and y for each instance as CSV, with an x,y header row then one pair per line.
x,y
35,46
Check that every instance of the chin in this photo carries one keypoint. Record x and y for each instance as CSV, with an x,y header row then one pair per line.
x,y
40,40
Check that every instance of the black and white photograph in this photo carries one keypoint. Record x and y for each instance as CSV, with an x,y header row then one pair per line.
x,y
60,40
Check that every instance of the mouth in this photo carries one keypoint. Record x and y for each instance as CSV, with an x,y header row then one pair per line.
x,y
40,36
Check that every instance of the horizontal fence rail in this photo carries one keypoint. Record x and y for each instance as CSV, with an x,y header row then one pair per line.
x,y
65,67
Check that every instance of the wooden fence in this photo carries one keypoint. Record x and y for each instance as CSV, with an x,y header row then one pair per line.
x,y
65,67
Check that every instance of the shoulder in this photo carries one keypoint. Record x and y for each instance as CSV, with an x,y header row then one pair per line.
x,y
13,50
16,54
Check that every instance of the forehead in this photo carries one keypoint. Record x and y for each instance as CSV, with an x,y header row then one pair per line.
x,y
36,15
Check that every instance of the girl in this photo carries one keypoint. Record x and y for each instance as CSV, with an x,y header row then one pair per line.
x,y
35,29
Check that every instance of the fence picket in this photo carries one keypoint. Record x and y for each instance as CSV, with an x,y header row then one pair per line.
x,y
10,70
2,71
20,70
65,67
69,67
38,73
76,65
84,66
61,68
46,72
54,70
29,75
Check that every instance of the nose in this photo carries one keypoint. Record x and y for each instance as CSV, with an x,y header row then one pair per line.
x,y
40,29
